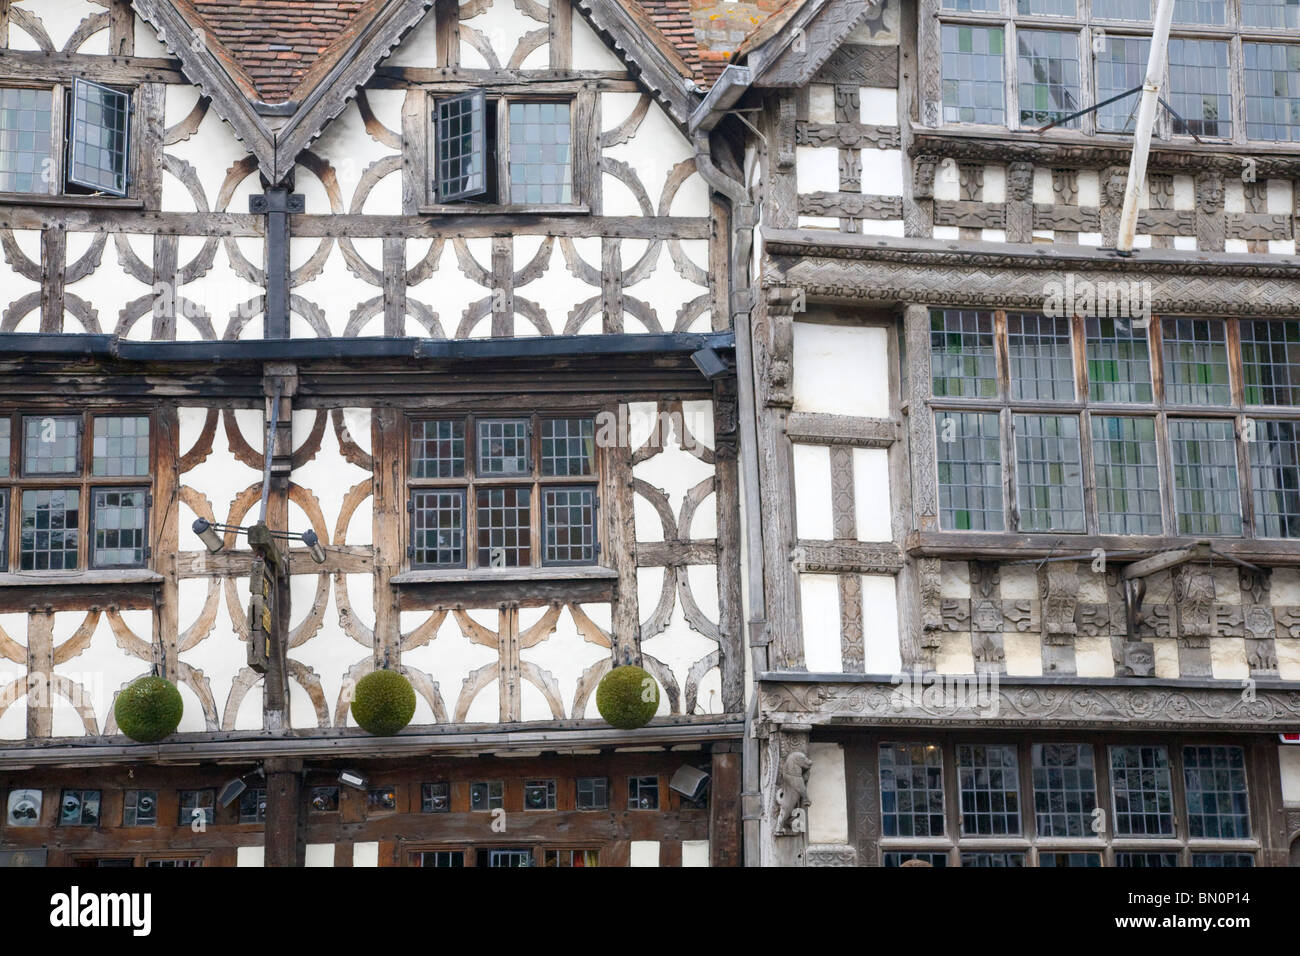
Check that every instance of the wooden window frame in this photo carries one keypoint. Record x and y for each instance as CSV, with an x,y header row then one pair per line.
x,y
58,193
954,842
412,852
471,482
582,100
1086,27
1237,412
83,481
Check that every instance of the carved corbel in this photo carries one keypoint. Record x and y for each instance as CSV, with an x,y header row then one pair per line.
x,y
790,766
1020,205
1194,600
1211,229
1058,591
1114,180
780,346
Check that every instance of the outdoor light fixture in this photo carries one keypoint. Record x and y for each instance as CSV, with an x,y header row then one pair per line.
x,y
690,782
208,534
350,778
231,791
710,363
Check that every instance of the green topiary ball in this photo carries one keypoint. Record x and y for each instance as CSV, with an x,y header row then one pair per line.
x,y
149,709
627,697
384,703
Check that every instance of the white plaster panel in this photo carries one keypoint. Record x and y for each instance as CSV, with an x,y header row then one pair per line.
x,y
828,808
1089,184
101,669
1279,197
448,659
674,470
337,291
678,646
656,149
365,854
146,40
1092,657
226,296
820,602
883,654
812,486
644,853
565,655
821,103
1166,657
1044,192
954,655
211,151
1024,654
220,477
841,369
1234,245
329,477
817,169
871,494
1288,756
954,579
1234,195
419,47
350,150
557,291
879,106
319,854
14,286
1018,582
884,227
503,26
589,50
220,656
665,290
1288,658
60,18
1228,658
695,853
882,171
1184,192
819,222
1186,243
993,235
946,232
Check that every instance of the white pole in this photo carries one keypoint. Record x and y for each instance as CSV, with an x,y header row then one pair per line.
x,y
1146,117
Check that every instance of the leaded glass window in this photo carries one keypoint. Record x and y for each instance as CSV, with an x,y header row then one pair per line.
x,y
1215,778
1142,791
438,529
974,88
1223,859
438,449
1272,81
1041,358
540,153
97,139
1196,362
568,446
569,525
895,858
1275,478
1119,361
1065,789
962,358
504,447
1146,860
79,808
1121,9
120,519
1046,8
451,859
196,805
504,527
1270,362
252,805
140,808
461,155
51,525
1126,475
1273,14
911,790
5,446
1200,84
988,779
1120,66
1069,859
993,859
121,446
969,455
1204,458
1049,77
978,6
51,445
1049,473
539,794
1211,12
435,797
26,165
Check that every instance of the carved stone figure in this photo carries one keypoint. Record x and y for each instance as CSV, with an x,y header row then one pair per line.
x,y
792,792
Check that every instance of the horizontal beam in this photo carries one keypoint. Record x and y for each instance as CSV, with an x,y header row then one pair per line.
x,y
351,743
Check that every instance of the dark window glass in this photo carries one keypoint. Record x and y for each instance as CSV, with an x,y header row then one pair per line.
x,y
570,858
25,162
486,795
1069,859
97,139
196,805
969,453
324,799
539,794
540,153
5,447
79,808
962,358
174,864
911,790
140,808
51,524
1045,8
381,800
1142,791
989,781
1215,779
1223,859
435,798
569,516
1065,789
121,527
252,805
445,858
898,858
593,793
973,6
992,859
568,447
438,449
1146,860
438,529
504,527
643,793
461,157
1275,478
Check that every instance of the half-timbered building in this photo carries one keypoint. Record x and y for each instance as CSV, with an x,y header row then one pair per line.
x,y
466,266
1028,507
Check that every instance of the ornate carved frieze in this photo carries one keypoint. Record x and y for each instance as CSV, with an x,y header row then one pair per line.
x,y
970,181
816,428
969,215
850,205
1019,209
930,583
1257,226
832,557
848,135
861,65
1066,218
1113,181
923,170
830,854
1098,620
1026,704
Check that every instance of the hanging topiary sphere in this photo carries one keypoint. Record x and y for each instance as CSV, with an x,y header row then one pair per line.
x,y
627,697
383,703
149,709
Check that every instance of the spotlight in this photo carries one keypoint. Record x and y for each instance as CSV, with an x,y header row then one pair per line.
x,y
690,782
710,363
203,528
350,778
231,791
313,545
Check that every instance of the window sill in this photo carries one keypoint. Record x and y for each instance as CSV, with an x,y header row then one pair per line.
x,y
75,202
98,576
504,576
123,588
998,545
471,209
522,587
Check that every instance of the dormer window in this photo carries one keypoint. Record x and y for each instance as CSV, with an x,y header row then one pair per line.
x,y
70,140
502,152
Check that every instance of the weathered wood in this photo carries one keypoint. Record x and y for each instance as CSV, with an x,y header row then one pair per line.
x,y
164,536
823,557
40,668
166,287
148,133
388,449
415,151
850,205
621,551
394,287
724,810
54,262
118,70
852,135
285,810
818,428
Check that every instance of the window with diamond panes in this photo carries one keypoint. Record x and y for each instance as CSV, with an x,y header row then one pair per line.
x,y
1126,475
969,455
1041,358
1215,782
988,783
540,153
1275,478
1119,66
1196,362
503,492
911,790
973,64
1142,790
1119,361
1065,789
1270,362
1049,473
1204,460
1049,77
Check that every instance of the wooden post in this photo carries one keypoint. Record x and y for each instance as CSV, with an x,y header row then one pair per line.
x,y
284,811
724,809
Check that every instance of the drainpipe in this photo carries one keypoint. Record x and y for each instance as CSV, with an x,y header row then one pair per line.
x,y
743,220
